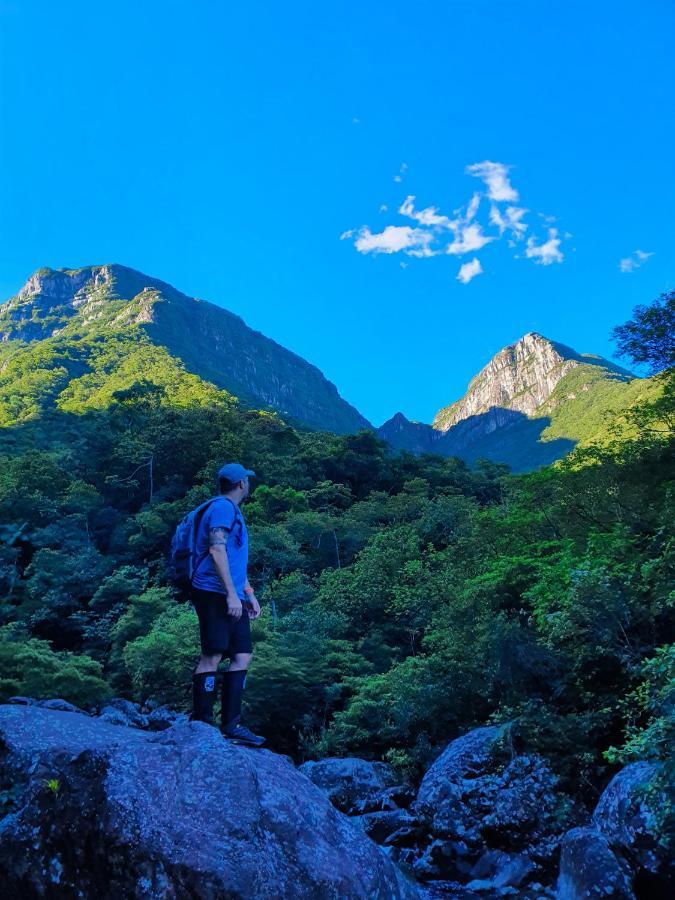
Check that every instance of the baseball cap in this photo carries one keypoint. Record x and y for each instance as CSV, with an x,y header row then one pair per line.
x,y
234,472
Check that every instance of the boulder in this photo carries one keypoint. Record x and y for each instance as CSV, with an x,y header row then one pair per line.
x,y
502,869
401,795
625,818
61,706
469,794
109,811
440,793
162,718
352,785
589,869
492,818
132,711
114,717
383,824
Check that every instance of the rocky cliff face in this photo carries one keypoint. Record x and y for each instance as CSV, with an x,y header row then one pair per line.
x,y
503,412
521,377
211,341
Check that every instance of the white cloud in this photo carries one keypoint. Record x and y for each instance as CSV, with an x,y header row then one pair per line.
x,y
428,216
394,238
469,238
634,261
471,226
399,178
472,207
546,253
509,219
495,176
469,270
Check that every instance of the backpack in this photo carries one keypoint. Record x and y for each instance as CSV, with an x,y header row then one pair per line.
x,y
183,558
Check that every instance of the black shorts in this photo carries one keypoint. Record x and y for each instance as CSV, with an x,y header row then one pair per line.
x,y
218,631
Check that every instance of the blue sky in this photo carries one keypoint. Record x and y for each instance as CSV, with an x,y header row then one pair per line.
x,y
227,148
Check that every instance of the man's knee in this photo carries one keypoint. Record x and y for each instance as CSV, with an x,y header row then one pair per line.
x,y
208,662
241,660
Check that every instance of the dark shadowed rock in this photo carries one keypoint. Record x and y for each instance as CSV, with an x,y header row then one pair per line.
x,y
401,795
589,869
60,705
493,819
623,815
381,825
111,812
131,711
114,717
22,701
162,718
467,757
502,869
351,784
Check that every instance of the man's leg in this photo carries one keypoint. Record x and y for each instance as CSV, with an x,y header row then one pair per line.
x,y
234,681
204,687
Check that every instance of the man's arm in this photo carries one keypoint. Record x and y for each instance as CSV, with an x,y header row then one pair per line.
x,y
218,553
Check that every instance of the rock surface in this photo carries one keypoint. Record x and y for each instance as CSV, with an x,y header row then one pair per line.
x,y
351,784
589,869
111,811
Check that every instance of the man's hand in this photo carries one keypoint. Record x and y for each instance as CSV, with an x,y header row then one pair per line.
x,y
252,602
234,607
254,606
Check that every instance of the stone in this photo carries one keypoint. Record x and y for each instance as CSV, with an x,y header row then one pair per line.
x,y
120,812
114,716
351,784
61,706
132,711
22,701
503,869
589,868
162,718
381,825
440,793
626,820
401,795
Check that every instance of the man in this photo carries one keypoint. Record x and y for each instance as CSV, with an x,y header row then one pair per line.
x,y
225,603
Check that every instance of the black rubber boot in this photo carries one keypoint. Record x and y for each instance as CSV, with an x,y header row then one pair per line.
x,y
230,711
203,696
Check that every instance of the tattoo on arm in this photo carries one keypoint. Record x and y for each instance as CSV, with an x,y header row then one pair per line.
x,y
217,537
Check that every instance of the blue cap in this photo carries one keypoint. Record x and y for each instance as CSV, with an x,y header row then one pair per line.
x,y
234,472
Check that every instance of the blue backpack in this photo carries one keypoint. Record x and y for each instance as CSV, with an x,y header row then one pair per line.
x,y
183,556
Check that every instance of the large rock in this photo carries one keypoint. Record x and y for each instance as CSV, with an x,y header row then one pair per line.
x,y
589,869
109,811
440,793
624,816
475,799
351,784
620,854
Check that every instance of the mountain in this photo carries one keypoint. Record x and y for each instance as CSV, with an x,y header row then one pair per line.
x,y
529,406
209,341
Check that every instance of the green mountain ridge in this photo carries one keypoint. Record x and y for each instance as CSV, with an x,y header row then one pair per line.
x,y
73,339
211,342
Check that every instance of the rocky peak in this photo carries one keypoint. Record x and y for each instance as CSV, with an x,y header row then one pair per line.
x,y
521,377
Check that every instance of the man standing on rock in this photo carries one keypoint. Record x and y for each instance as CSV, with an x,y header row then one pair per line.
x,y
225,603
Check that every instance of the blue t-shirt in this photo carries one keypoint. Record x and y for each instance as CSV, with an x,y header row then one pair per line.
x,y
222,513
